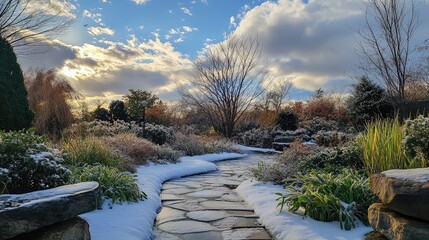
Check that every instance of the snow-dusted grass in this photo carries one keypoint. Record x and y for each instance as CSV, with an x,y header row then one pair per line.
x,y
135,221
261,197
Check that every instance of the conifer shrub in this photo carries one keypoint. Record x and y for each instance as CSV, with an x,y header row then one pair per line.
x,y
15,113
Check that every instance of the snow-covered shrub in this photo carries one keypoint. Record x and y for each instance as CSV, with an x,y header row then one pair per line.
x,y
334,159
317,124
331,138
26,164
416,139
257,137
327,197
157,134
102,128
115,185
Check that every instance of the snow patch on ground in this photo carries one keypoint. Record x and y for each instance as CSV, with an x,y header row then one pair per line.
x,y
255,149
413,175
261,197
135,221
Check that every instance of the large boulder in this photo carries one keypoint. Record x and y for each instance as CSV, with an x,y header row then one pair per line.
x,y
404,191
25,213
396,226
73,229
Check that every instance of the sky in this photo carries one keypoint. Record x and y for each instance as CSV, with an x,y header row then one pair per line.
x,y
115,45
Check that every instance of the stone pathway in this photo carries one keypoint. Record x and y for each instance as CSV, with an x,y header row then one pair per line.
x,y
206,206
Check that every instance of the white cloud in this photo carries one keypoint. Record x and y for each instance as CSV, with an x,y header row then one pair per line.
x,y
106,72
95,31
54,7
312,41
186,11
189,29
94,16
178,40
141,2
232,22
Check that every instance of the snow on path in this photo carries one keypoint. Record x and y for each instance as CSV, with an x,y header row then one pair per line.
x,y
261,197
135,221
256,149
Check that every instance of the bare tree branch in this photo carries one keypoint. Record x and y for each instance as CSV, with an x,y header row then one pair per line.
x,y
226,81
24,22
384,42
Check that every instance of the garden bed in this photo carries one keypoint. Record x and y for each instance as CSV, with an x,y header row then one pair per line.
x,y
285,225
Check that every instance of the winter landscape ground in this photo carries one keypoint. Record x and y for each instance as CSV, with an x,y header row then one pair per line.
x,y
214,119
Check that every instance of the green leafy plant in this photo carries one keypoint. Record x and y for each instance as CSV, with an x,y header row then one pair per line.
x,y
328,197
383,149
115,185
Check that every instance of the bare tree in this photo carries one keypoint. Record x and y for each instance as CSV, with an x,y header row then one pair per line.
x,y
278,94
227,80
385,42
25,21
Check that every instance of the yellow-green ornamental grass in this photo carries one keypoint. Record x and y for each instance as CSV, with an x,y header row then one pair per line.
x,y
383,148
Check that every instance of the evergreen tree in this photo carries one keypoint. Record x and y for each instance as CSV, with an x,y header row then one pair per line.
x,y
136,102
102,114
369,101
118,110
15,113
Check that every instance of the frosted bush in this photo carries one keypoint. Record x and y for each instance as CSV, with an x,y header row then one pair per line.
x,y
416,139
331,138
319,124
257,137
27,164
103,128
158,134
155,133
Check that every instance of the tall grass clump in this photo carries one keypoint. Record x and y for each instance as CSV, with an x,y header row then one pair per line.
x,y
328,197
115,185
383,149
91,151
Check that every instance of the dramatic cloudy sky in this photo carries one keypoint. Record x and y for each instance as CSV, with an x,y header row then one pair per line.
x,y
115,45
